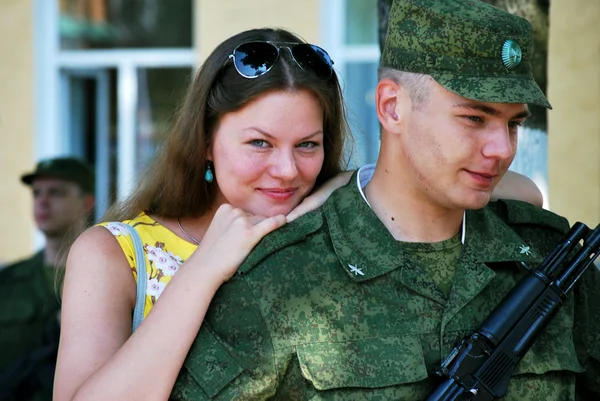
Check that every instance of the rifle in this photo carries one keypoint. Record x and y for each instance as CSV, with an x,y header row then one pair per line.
x,y
480,367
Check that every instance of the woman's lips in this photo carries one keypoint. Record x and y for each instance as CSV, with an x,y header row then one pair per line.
x,y
279,194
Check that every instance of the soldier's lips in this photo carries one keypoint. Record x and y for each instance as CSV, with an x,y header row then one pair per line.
x,y
483,180
279,194
42,217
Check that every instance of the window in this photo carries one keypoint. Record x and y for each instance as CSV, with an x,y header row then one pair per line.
x,y
110,75
350,36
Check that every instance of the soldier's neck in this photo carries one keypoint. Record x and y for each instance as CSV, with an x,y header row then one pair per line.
x,y
404,212
51,250
57,246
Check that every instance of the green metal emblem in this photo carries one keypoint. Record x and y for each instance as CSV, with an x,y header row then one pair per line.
x,y
511,54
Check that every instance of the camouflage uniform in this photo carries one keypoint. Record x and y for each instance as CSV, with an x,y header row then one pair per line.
x,y
29,308
29,305
332,307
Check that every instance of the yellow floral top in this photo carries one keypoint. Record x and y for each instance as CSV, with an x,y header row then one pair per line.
x,y
164,250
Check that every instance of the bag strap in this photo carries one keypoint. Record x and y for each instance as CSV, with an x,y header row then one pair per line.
x,y
140,265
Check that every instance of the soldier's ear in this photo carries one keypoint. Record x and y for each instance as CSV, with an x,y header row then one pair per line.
x,y
388,97
89,201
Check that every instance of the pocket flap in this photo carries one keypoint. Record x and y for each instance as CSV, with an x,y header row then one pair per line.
x,y
554,350
211,366
369,363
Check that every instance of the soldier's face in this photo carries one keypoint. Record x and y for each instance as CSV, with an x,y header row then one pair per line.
x,y
57,204
267,156
458,149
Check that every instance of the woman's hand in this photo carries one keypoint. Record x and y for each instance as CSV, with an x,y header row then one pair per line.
x,y
320,195
229,239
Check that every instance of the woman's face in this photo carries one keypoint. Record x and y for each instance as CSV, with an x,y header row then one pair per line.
x,y
267,155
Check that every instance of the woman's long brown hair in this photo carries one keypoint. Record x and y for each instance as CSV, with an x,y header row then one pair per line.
x,y
174,184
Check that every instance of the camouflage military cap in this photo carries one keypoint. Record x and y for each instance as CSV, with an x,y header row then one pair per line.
x,y
471,48
65,168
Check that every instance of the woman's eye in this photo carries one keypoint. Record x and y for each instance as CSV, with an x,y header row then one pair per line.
x,y
259,143
308,145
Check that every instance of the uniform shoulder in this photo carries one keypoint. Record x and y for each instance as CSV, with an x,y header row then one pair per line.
x,y
286,236
21,267
517,213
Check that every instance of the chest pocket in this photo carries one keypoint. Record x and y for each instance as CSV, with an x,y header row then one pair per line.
x,y
369,363
208,368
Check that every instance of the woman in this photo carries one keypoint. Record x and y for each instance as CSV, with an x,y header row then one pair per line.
x,y
264,119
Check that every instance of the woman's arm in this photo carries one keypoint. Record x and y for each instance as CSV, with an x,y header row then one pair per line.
x,y
99,358
519,187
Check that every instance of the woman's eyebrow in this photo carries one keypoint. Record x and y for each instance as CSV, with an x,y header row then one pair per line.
x,y
263,132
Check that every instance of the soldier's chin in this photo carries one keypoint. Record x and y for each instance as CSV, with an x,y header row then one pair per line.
x,y
52,232
478,202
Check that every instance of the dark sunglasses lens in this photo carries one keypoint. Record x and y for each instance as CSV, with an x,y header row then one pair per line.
x,y
253,59
313,58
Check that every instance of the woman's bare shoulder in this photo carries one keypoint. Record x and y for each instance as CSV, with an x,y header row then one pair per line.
x,y
96,256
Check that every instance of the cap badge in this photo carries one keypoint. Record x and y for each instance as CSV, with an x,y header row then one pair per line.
x,y
511,54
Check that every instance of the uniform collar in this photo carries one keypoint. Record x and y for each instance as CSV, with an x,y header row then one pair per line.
x,y
364,246
366,249
491,240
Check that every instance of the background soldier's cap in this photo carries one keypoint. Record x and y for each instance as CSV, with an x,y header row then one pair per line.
x,y
65,168
471,48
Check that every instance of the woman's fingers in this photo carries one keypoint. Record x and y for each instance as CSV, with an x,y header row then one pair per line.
x,y
319,196
267,225
308,204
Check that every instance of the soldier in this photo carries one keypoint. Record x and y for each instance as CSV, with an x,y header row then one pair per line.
x,y
63,198
364,297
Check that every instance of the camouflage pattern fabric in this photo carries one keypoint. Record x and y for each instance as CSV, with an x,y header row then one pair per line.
x,y
28,324
331,307
461,44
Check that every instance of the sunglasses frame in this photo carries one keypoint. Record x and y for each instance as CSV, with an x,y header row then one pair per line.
x,y
289,46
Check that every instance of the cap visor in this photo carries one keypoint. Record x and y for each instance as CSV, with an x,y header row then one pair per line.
x,y
494,89
27,179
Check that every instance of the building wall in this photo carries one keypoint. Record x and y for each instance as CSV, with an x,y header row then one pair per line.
x,y
574,123
220,19
16,127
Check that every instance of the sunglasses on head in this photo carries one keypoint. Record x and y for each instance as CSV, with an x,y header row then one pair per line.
x,y
253,59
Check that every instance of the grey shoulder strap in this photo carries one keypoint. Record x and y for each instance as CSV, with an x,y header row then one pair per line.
x,y
140,265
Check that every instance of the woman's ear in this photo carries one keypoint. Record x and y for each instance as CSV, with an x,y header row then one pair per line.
x,y
209,155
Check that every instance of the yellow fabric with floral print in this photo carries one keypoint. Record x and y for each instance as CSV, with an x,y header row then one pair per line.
x,y
165,252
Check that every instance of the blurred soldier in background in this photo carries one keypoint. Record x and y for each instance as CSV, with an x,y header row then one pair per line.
x,y
63,200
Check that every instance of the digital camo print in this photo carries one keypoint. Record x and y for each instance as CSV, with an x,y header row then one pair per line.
x,y
331,307
461,44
